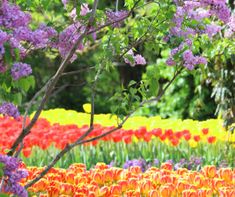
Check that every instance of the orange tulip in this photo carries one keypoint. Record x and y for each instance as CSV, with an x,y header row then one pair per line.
x,y
226,174
135,169
115,190
209,171
181,186
66,188
53,191
153,193
199,181
223,192
132,183
167,166
123,184
189,193
165,191
145,186
98,178
104,191
108,175
218,183
205,192
101,166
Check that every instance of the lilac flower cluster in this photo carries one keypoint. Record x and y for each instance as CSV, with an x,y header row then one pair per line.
x,y
15,30
116,17
230,31
9,109
20,70
16,22
192,163
68,38
136,162
190,60
137,59
196,13
12,175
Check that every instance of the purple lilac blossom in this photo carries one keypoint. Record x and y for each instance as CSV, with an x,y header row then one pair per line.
x,y
20,70
17,22
9,109
137,59
212,30
12,17
3,37
118,16
68,38
84,9
13,175
230,30
170,62
197,11
136,162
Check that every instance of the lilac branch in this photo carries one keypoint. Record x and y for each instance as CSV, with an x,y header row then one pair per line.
x,y
53,82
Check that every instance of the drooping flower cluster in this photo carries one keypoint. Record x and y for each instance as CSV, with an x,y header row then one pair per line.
x,y
12,175
134,59
20,70
9,109
16,33
190,60
116,18
190,20
68,38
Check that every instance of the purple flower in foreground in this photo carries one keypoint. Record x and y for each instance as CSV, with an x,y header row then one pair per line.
x,y
20,70
12,175
116,17
9,109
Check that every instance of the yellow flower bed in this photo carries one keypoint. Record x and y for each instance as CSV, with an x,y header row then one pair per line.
x,y
65,117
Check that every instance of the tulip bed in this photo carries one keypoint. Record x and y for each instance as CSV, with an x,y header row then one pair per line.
x,y
102,181
141,138
147,157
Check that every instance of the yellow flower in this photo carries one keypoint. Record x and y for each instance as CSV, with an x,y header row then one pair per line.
x,y
192,143
87,107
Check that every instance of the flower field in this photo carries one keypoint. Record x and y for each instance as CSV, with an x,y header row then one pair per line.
x,y
147,157
106,182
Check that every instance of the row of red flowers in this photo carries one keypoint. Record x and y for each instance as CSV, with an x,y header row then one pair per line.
x,y
44,134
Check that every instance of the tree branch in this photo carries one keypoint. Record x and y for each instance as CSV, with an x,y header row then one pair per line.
x,y
53,82
82,141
